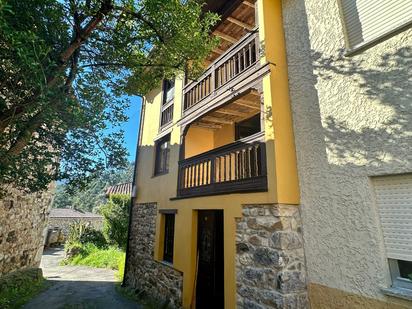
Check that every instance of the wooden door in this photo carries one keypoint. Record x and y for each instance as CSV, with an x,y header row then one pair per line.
x,y
210,278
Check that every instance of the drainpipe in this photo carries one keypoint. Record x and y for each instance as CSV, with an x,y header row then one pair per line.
x,y
132,199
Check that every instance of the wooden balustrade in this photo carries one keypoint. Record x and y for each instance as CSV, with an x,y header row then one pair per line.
x,y
233,63
167,115
237,167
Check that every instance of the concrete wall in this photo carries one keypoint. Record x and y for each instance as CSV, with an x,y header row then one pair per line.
x,y
23,220
352,119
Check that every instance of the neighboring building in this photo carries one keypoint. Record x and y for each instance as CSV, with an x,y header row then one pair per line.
x,y
62,218
350,81
227,215
123,188
23,227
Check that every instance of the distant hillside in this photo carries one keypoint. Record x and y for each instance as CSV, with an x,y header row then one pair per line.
x,y
91,197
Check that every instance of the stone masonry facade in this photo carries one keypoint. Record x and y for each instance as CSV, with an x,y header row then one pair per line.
x,y
23,220
270,262
143,273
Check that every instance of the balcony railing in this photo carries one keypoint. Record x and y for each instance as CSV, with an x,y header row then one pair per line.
x,y
233,63
166,115
237,167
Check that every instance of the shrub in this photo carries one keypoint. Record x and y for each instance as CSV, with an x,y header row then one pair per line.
x,y
81,232
76,230
93,236
116,219
73,248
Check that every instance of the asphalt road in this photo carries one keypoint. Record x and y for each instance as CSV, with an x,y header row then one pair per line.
x,y
77,287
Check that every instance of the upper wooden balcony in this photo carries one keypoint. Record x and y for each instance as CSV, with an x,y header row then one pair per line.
x,y
236,63
233,66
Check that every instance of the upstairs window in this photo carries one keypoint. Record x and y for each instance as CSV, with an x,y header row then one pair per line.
x,y
394,199
248,127
366,21
168,90
169,234
162,155
167,102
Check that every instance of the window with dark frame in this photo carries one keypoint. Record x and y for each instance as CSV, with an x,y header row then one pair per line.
x,y
248,127
162,155
167,102
169,237
168,90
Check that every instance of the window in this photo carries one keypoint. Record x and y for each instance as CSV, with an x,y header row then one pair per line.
x,y
168,90
162,155
366,21
169,220
394,200
248,127
401,272
167,103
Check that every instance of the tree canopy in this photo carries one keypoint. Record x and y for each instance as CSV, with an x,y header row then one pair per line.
x,y
66,69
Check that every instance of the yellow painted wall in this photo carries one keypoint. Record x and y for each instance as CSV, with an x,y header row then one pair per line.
x,y
277,102
198,140
225,135
283,185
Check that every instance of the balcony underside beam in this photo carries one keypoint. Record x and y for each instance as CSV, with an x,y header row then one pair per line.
x,y
240,23
225,37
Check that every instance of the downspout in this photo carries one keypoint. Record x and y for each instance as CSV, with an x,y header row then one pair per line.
x,y
134,193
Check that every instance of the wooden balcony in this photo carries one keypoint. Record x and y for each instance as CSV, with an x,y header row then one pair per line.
x,y
236,167
238,63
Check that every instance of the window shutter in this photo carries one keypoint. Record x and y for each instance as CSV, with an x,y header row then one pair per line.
x,y
394,199
368,20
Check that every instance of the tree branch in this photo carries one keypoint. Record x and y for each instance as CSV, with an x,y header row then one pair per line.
x,y
80,37
140,16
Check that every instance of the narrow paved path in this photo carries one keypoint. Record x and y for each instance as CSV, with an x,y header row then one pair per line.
x,y
77,287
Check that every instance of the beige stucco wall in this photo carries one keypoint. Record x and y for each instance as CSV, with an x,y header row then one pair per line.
x,y
352,119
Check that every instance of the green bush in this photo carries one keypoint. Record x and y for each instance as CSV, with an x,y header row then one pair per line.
x,y
81,232
95,237
116,219
20,286
76,230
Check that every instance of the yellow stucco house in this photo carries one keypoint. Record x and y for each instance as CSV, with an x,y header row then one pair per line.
x,y
248,190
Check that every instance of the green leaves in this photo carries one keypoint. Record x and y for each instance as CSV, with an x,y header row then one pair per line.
x,y
116,219
66,68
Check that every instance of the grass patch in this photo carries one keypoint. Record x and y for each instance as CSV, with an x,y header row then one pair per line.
x,y
19,287
90,255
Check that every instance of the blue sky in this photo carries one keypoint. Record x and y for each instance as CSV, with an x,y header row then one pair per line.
x,y
131,127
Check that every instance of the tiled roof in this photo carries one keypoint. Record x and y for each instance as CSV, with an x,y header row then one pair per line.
x,y
123,188
71,213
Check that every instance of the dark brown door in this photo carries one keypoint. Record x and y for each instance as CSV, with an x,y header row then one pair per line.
x,y
210,285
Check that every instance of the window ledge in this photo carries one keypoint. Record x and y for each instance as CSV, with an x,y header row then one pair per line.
x,y
398,292
168,264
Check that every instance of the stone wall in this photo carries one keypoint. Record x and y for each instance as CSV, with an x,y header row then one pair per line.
x,y
143,273
23,219
64,223
270,263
